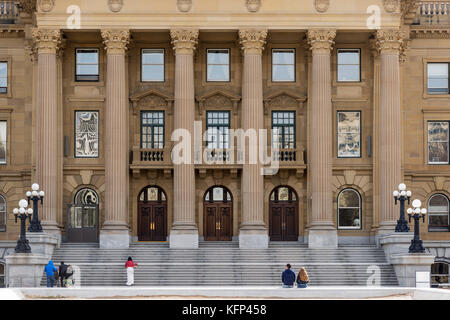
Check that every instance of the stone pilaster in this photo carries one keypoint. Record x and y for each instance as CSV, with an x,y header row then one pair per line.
x,y
253,231
322,232
390,45
46,44
184,231
115,230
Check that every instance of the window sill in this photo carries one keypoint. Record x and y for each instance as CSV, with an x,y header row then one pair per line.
x,y
436,96
87,83
361,83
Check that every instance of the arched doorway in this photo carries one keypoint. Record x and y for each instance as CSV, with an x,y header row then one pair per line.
x,y
283,214
82,220
152,214
218,214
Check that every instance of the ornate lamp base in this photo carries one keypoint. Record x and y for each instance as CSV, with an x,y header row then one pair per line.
x,y
402,226
416,247
23,246
35,227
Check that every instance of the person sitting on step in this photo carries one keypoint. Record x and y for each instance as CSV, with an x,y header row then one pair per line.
x,y
302,278
288,277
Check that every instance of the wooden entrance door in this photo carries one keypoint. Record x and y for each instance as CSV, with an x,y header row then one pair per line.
x,y
218,215
82,217
283,215
152,215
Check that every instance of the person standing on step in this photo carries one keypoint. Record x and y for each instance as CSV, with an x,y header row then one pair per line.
x,y
62,273
302,278
288,277
50,271
130,265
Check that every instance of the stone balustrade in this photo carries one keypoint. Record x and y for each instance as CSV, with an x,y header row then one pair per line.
x,y
9,12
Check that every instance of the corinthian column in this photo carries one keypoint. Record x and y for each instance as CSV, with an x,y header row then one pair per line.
x,y
253,231
115,231
184,231
322,232
47,42
390,45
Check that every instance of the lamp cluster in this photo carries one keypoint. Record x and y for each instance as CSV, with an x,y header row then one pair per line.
x,y
401,195
23,213
416,213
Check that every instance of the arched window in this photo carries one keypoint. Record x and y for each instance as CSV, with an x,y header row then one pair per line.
x,y
283,194
86,196
2,213
217,194
152,193
2,275
349,209
440,273
438,211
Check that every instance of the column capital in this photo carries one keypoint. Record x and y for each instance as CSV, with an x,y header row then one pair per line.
x,y
253,40
321,39
116,40
46,40
391,41
184,41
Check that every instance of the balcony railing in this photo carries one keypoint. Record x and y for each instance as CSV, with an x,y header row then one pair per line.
x,y
433,12
289,156
9,12
151,157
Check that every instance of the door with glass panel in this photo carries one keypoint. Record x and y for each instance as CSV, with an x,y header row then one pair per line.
x,y
283,215
152,215
218,215
82,217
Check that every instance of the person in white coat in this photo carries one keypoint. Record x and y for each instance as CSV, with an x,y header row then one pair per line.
x,y
130,265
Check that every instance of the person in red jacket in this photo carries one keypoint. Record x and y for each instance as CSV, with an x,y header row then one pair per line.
x,y
130,265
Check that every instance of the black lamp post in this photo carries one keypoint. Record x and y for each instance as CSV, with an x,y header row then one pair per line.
x,y
402,195
23,214
417,213
35,196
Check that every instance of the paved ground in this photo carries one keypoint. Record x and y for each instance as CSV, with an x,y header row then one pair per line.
x,y
217,293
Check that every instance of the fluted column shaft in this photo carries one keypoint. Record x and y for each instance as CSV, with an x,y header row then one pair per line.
x,y
116,130
47,42
390,45
252,119
320,163
184,42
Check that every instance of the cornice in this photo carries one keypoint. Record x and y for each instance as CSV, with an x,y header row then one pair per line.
x,y
253,40
184,41
430,33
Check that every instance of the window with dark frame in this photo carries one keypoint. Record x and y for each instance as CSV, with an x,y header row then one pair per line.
x,y
438,213
3,141
349,134
87,65
3,77
348,65
217,129
152,65
440,273
284,122
152,129
2,275
2,214
438,79
283,65
349,209
438,142
218,65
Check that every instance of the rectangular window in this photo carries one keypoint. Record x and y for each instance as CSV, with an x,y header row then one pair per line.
x,y
284,122
283,65
2,214
152,129
218,65
86,134
218,129
348,65
152,65
3,141
438,142
438,81
3,77
87,68
349,134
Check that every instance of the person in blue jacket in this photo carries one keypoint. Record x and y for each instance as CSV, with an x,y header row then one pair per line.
x,y
50,272
288,277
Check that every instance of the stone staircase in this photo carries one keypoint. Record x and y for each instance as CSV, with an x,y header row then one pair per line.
x,y
224,264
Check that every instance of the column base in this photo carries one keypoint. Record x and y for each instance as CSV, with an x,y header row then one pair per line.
x,y
114,237
406,266
183,238
253,237
42,243
322,237
395,243
51,228
25,270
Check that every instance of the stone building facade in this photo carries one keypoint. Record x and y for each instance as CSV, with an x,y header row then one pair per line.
x,y
93,93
